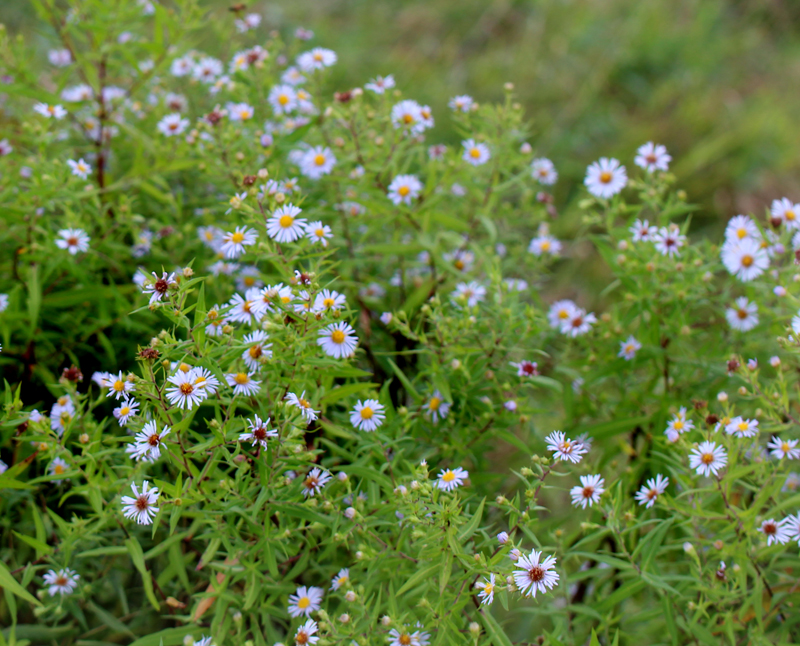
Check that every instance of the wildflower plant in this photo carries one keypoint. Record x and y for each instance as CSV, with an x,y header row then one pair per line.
x,y
282,368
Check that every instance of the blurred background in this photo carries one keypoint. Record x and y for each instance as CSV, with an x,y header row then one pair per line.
x,y
714,80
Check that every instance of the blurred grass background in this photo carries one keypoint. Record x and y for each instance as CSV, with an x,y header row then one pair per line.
x,y
714,80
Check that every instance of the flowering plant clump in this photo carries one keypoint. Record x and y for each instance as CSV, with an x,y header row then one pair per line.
x,y
281,368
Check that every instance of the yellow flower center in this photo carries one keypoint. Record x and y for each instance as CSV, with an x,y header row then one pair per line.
x,y
707,458
241,378
124,411
545,245
605,177
255,351
743,426
789,215
366,413
283,99
475,153
741,232
304,603
337,336
434,403
119,386
320,233
747,260
286,221
319,159
408,119
237,237
58,470
678,425
448,476
404,639
328,302
403,191
187,389
785,447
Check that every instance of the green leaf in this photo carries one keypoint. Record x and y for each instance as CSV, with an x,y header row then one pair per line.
x,y
137,556
8,582
470,527
594,641
346,391
493,629
168,637
39,546
420,576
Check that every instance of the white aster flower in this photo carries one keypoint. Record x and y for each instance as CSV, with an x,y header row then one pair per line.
x,y
708,458
783,448
183,392
234,242
642,231
404,189
128,409
745,259
303,404
652,157
259,432
544,244
317,161
543,171
284,225
50,111
79,168
367,415
578,323
560,312
57,467
743,316
316,59
148,442
472,292
318,232
535,574
787,212
669,240
341,580
650,491
741,427
741,227
588,492
475,153
450,479
461,103
437,407
73,240
408,115
172,124
338,340
141,507
328,299
63,581
629,348
380,84
315,481
119,386
605,178
564,448
243,383
776,531
486,590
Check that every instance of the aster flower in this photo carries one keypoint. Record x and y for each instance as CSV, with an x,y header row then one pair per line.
x,y
475,153
63,581
472,292
544,244
450,479
745,259
652,157
741,427
404,189
318,232
141,507
588,492
338,340
183,392
259,432
669,240
783,448
243,383
436,407
284,225
57,467
119,386
128,409
316,162
79,168
629,348
149,441
303,404
535,574
650,491
678,425
50,111
305,634
461,103
380,84
787,212
205,380
315,481
367,416
486,590
708,458
283,99
316,59
172,124
341,579
234,242
73,240
578,323
605,178
526,368
543,171
328,299
256,350
560,312
642,231
743,316
564,448
158,287
741,227
776,532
